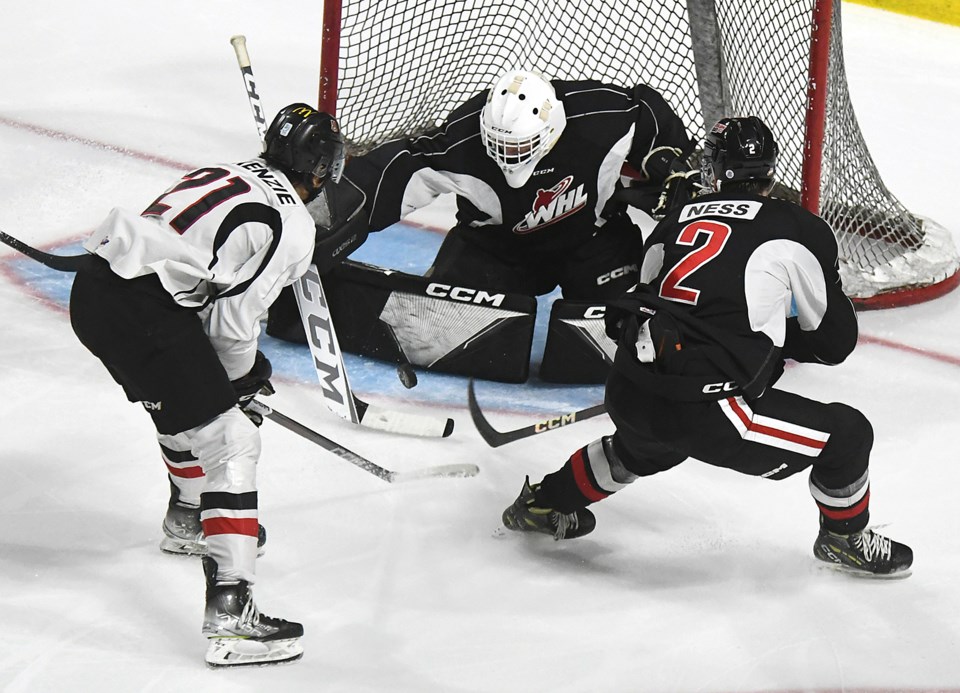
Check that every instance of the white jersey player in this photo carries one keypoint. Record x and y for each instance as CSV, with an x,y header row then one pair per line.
x,y
172,305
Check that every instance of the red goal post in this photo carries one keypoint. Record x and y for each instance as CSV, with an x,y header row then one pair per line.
x,y
392,68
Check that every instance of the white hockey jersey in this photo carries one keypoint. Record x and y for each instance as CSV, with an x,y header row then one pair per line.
x,y
225,240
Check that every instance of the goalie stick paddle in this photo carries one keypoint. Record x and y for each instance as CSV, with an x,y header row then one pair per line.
x,y
61,263
446,470
334,383
495,438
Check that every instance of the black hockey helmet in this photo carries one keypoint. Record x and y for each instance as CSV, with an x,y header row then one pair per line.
x,y
302,140
738,149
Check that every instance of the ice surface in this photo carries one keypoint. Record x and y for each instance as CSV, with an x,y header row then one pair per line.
x,y
697,580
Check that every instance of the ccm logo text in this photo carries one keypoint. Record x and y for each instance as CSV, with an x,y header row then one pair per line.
x,y
464,294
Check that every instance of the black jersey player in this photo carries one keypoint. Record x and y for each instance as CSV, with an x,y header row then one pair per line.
x,y
171,303
535,166
732,283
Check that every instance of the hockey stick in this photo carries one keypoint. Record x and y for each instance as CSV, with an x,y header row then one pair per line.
x,y
239,44
497,438
318,324
61,263
446,470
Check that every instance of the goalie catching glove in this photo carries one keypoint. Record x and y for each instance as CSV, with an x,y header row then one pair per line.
x,y
256,382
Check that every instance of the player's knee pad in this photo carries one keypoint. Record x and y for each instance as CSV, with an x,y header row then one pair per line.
x,y
852,428
228,447
846,455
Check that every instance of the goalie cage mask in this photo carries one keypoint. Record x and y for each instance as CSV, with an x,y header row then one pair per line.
x,y
520,123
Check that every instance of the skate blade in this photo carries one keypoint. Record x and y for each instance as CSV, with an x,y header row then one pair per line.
x,y
179,547
238,652
182,547
862,574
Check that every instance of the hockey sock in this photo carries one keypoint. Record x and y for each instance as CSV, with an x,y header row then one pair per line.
x,y
184,471
842,510
591,474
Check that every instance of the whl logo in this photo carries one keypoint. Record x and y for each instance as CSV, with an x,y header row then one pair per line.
x,y
552,205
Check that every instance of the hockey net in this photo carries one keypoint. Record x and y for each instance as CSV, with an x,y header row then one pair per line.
x,y
395,68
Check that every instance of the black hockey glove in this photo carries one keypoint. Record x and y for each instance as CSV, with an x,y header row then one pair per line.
x,y
256,382
677,190
612,321
659,163
678,176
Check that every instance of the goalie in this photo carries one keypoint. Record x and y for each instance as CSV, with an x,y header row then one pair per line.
x,y
535,165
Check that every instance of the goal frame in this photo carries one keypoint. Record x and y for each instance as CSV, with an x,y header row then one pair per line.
x,y
715,102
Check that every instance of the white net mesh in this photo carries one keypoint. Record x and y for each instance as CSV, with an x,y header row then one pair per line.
x,y
405,64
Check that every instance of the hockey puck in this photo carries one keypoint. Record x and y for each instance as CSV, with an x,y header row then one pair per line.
x,y
407,375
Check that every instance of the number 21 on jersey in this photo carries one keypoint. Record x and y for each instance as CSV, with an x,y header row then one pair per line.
x,y
713,235
206,201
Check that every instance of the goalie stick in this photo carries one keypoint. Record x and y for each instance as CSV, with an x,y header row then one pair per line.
x,y
318,325
446,470
61,263
495,438
334,384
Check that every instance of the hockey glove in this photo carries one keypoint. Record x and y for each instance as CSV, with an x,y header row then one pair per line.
x,y
677,190
659,163
613,321
256,382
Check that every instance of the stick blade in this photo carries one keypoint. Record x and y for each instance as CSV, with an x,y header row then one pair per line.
x,y
392,421
441,471
495,438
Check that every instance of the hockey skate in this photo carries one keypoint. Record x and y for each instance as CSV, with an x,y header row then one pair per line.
x,y
865,554
525,516
238,633
183,533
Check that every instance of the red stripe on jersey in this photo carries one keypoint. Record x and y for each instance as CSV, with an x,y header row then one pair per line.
x,y
846,513
194,472
578,462
246,526
773,432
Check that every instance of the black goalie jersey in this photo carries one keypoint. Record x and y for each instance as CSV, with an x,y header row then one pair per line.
x,y
567,197
741,282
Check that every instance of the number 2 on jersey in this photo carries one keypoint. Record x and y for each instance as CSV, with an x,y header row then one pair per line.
x,y
716,232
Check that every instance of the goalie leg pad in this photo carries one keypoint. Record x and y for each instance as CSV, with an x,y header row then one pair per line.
x,y
577,349
439,327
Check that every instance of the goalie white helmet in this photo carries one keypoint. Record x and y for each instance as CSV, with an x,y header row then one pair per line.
x,y
520,123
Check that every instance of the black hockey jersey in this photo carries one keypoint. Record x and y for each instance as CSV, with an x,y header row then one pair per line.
x,y
738,282
567,197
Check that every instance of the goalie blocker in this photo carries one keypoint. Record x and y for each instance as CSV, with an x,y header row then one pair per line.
x,y
403,318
